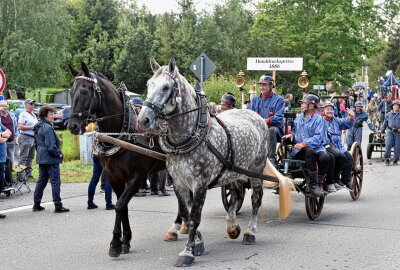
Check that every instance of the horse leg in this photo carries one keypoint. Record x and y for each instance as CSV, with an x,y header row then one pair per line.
x,y
186,257
181,220
127,232
116,243
249,237
121,209
232,228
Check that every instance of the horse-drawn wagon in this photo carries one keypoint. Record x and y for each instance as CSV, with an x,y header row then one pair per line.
x,y
294,169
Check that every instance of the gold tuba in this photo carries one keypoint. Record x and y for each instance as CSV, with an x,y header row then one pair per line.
x,y
239,80
303,81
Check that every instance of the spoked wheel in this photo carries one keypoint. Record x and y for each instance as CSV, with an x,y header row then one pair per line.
x,y
314,206
226,196
357,172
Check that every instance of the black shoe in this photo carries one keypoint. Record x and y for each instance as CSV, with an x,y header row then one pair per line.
x,y
387,162
92,206
164,193
110,207
395,163
61,209
140,194
348,186
2,216
37,208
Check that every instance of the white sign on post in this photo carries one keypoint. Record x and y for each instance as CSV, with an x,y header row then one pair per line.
x,y
274,63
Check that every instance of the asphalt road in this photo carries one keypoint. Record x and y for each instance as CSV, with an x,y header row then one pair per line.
x,y
363,234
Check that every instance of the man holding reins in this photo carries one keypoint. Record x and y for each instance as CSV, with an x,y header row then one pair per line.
x,y
271,107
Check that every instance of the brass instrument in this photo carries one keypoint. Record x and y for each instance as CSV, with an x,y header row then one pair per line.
x,y
303,81
239,80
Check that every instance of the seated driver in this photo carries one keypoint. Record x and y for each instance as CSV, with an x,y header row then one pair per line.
x,y
271,107
308,134
343,159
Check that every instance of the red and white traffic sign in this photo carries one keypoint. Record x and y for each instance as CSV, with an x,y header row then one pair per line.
x,y
2,80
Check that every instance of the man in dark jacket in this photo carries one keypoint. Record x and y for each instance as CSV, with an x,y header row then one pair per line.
x,y
49,157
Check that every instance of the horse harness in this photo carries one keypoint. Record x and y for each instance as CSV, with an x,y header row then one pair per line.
x,y
199,135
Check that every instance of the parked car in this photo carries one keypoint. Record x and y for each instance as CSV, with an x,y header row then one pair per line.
x,y
61,117
17,107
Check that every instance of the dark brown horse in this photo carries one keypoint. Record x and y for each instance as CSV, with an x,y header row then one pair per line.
x,y
96,99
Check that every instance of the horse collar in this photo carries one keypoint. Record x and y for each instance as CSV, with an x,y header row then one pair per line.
x,y
198,136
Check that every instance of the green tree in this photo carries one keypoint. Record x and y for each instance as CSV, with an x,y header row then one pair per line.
x,y
131,63
332,36
392,57
34,50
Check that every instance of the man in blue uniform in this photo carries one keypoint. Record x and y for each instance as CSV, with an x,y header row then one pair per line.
x,y
271,107
384,107
392,127
355,133
309,134
343,159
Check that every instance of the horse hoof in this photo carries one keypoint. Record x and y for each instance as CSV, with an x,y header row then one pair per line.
x,y
233,231
184,229
125,248
249,239
184,261
171,236
115,251
199,249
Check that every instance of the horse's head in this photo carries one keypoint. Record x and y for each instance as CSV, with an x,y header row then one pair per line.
x,y
84,103
163,94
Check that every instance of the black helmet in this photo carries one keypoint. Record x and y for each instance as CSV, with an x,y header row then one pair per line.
x,y
311,99
229,98
265,79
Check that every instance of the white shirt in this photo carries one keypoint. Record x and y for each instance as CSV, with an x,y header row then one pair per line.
x,y
27,119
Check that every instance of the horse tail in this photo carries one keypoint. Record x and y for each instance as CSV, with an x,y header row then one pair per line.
x,y
285,188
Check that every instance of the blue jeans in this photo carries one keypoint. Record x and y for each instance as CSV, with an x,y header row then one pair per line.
x,y
46,172
2,166
97,172
392,140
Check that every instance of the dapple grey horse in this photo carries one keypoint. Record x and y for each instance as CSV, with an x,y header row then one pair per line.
x,y
194,149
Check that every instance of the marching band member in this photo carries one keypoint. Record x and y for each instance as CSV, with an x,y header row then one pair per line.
x,y
308,134
271,107
392,124
355,133
342,158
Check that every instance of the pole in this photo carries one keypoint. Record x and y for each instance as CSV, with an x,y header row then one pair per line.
x,y
202,71
273,77
129,146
